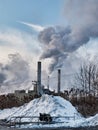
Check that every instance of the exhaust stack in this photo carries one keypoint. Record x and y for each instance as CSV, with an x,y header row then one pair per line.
x,y
39,78
59,81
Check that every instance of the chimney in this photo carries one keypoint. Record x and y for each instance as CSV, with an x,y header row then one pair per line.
x,y
48,83
39,78
59,81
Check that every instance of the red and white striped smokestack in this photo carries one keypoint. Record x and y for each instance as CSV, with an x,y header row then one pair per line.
x,y
59,80
39,78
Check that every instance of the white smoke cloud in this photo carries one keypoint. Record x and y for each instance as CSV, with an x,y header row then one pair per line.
x,y
18,39
81,12
59,42
14,73
19,53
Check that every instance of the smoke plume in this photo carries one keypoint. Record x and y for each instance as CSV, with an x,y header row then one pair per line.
x,y
2,78
58,42
15,72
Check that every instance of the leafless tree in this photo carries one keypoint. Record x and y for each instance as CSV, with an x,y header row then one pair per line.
x,y
87,78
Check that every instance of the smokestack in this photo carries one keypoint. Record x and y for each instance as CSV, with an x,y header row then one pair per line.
x,y
48,83
39,78
59,80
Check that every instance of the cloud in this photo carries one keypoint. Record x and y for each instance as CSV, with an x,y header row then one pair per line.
x,y
18,67
17,38
59,42
81,13
19,54
13,40
2,78
18,73
35,27
14,73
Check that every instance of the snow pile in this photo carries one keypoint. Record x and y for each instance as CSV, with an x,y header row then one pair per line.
x,y
53,105
92,121
56,107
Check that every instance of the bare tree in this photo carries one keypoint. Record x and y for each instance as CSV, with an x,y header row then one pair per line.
x,y
87,78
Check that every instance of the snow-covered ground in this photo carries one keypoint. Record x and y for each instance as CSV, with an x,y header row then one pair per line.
x,y
56,107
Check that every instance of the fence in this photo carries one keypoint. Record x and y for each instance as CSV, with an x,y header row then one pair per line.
x,y
17,121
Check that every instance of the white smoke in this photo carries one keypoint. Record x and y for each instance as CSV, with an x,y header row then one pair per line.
x,y
59,42
14,73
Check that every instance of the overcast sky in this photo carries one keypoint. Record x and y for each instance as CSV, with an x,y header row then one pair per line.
x,y
60,33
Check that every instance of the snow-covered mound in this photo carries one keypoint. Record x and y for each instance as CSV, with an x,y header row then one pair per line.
x,y
53,105
93,121
56,107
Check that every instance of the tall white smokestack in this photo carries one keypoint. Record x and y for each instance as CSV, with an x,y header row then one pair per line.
x,y
39,78
59,80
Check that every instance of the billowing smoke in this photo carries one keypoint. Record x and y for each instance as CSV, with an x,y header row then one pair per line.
x,y
81,12
2,78
53,43
15,72
58,42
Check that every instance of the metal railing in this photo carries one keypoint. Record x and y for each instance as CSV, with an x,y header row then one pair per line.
x,y
18,120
